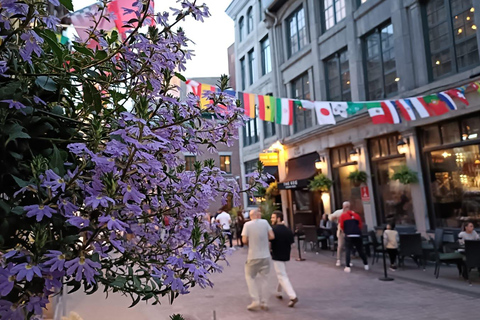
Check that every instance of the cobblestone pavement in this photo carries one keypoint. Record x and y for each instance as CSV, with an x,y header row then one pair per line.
x,y
324,291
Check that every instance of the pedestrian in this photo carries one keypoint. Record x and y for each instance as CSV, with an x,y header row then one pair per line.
x,y
351,224
225,221
334,217
256,234
326,230
468,233
281,247
240,224
390,242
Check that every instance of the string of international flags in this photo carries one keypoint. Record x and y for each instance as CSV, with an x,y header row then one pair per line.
x,y
280,110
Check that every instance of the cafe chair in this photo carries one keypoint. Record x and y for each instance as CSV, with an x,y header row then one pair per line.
x,y
441,257
334,245
411,246
472,257
376,245
310,238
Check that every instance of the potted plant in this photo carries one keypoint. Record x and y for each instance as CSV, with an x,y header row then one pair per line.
x,y
357,177
320,183
405,175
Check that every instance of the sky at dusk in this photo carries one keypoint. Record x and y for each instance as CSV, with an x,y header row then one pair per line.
x,y
210,39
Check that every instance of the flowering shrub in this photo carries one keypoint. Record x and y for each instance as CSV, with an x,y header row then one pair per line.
x,y
93,190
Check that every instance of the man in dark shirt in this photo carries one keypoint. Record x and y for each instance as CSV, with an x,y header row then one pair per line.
x,y
281,247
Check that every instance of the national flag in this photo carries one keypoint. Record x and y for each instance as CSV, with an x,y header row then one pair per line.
x,y
383,112
248,102
419,107
324,112
406,109
434,105
445,97
266,108
457,94
476,86
340,109
284,112
307,104
199,90
354,107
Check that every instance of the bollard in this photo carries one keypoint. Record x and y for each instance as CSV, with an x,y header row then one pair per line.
x,y
385,275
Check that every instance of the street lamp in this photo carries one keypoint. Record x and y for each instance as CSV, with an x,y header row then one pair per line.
x,y
402,145
354,155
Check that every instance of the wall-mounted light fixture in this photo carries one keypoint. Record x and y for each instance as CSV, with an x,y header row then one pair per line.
x,y
355,154
403,145
320,163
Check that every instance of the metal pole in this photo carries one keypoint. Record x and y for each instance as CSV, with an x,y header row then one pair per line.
x,y
385,275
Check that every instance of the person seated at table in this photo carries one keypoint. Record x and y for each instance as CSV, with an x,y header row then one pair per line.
x,y
390,241
326,228
468,233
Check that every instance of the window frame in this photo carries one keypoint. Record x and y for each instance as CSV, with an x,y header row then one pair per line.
x,y
263,54
294,15
189,164
250,166
241,26
249,140
243,73
335,21
305,84
343,93
223,158
377,30
260,11
250,24
451,44
251,66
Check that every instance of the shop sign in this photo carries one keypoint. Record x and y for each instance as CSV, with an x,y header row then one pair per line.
x,y
269,159
365,194
290,184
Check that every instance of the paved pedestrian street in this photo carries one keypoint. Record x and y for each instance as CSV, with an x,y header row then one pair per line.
x,y
325,292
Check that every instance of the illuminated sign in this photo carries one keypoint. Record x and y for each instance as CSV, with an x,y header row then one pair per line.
x,y
269,159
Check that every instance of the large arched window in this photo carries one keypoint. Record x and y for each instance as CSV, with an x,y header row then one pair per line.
x,y
241,26
249,20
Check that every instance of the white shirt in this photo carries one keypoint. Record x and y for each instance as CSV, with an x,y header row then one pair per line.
x,y
225,220
257,233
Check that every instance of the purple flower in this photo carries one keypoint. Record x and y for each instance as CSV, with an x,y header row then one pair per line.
x,y
32,45
113,223
37,100
3,68
14,104
36,304
99,200
51,22
131,193
173,280
66,207
54,280
56,261
79,222
54,2
39,211
82,265
6,281
54,181
26,270
10,311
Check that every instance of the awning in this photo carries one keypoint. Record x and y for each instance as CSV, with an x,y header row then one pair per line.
x,y
300,170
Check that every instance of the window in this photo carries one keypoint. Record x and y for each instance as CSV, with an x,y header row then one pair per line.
x,y
226,164
251,66
451,36
334,12
338,77
250,132
297,32
266,56
189,163
380,65
249,20
268,129
302,118
241,26
260,10
242,72
250,166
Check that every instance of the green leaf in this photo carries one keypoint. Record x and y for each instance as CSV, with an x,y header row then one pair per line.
x,y
46,83
56,162
84,50
18,210
180,76
101,55
14,131
51,40
21,183
67,4
134,303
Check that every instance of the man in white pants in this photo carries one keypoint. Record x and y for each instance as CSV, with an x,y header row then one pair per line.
x,y
340,235
281,247
256,234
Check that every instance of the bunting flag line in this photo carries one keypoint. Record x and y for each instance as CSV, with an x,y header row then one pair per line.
x,y
284,114
280,110
199,89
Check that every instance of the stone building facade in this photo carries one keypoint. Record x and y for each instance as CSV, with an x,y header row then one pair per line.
x,y
349,50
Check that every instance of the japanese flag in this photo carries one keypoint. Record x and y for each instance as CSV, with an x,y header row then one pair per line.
x,y
324,112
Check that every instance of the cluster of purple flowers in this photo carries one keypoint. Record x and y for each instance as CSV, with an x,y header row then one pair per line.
x,y
137,215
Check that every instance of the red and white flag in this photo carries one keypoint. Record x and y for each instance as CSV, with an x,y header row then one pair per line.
x,y
457,94
406,109
324,112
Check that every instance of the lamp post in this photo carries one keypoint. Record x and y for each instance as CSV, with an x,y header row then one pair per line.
x,y
385,275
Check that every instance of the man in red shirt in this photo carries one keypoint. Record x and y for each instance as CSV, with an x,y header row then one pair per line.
x,y
351,224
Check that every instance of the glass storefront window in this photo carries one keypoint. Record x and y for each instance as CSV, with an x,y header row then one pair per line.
x,y
455,185
450,132
346,191
431,136
394,198
470,128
